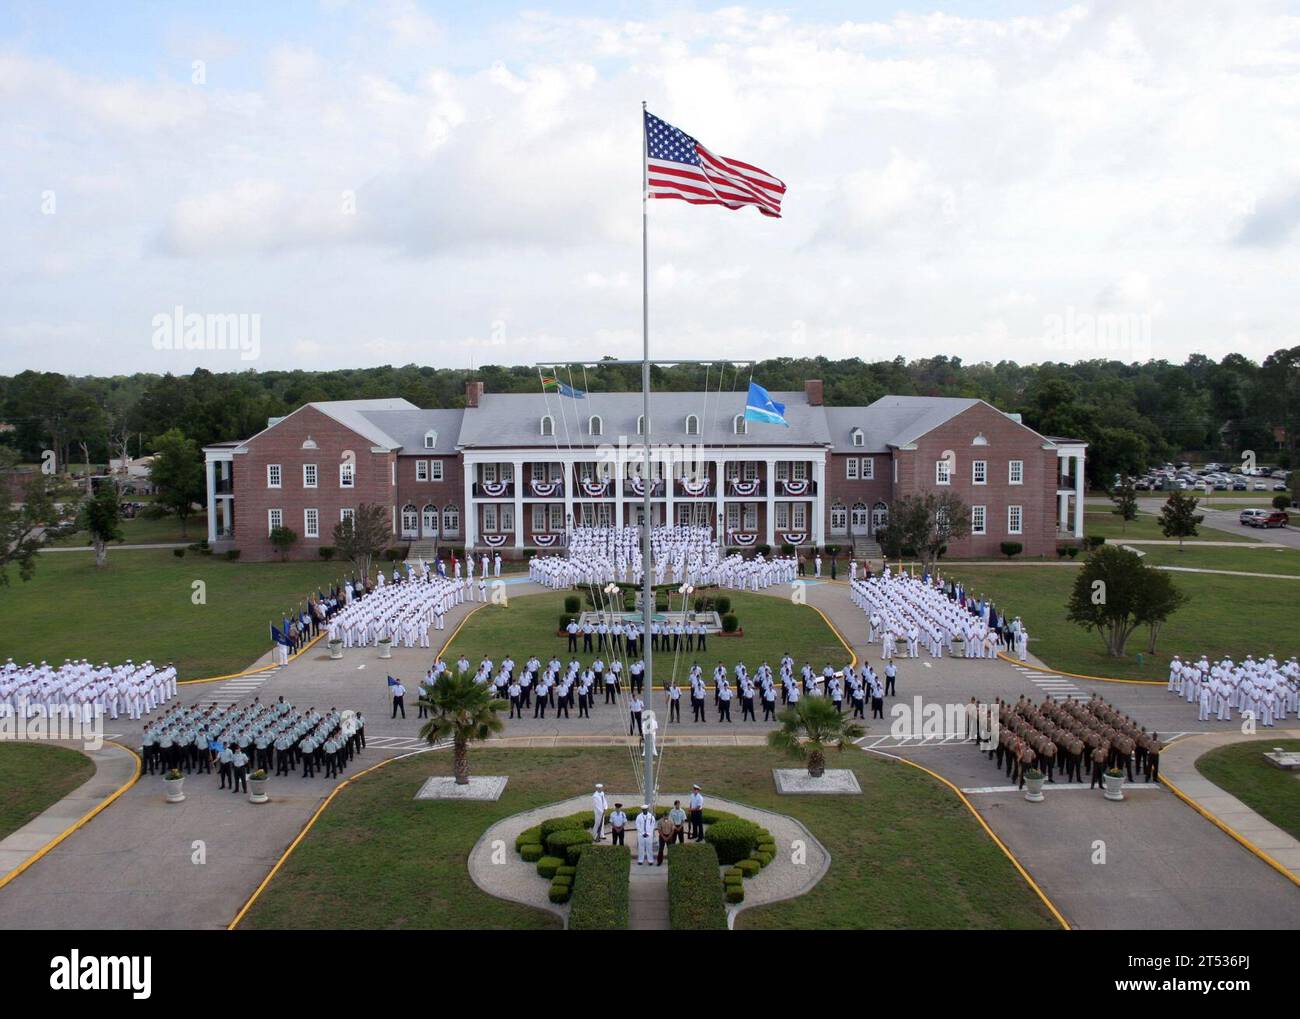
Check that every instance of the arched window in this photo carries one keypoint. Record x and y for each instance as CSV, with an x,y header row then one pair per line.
x,y
431,438
692,424
595,426
640,424
450,521
548,425
410,521
739,426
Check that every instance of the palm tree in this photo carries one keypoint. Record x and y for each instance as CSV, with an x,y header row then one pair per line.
x,y
810,727
462,710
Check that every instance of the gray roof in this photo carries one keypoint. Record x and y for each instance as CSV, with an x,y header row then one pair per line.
x,y
354,414
894,421
407,428
514,419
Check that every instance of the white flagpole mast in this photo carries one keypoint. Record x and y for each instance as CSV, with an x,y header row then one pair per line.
x,y
647,592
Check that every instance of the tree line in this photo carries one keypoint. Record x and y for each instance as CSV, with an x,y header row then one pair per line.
x,y
1132,415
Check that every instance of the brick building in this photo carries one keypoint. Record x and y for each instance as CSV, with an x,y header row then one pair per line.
x,y
515,471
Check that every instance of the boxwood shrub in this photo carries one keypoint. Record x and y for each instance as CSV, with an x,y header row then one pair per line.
x,y
694,895
528,837
548,865
747,867
566,871
600,889
559,893
734,840
763,858
730,624
558,842
735,893
531,853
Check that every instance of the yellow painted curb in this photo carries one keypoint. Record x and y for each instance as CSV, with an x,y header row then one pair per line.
x,y
1232,832
989,831
838,636
303,833
253,672
1078,675
83,820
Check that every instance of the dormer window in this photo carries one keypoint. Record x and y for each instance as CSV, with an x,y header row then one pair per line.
x,y
692,424
979,440
739,426
548,425
430,439
640,424
595,426
856,437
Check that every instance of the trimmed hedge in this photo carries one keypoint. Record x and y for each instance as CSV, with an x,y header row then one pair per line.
x,y
560,892
600,895
531,853
528,837
747,867
730,624
566,871
547,866
734,840
558,842
735,893
694,896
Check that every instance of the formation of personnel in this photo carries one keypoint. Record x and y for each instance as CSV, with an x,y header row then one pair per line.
x,y
1265,688
266,737
1071,736
683,554
906,613
564,687
402,612
83,691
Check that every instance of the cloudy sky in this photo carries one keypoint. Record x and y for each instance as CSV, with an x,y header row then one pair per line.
x,y
459,184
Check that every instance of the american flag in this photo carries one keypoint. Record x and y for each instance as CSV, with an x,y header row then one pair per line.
x,y
677,166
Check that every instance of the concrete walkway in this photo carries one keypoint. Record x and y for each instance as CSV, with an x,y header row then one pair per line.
x,y
115,767
647,896
1178,766
112,548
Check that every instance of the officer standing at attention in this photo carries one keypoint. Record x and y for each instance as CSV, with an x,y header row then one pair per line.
x,y
645,835
599,804
572,630
697,814
618,824
399,699
239,767
674,702
891,674
307,748
635,706
223,765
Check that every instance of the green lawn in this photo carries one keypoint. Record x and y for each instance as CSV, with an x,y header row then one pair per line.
x,y
1250,558
772,627
906,854
1232,616
140,606
143,530
1146,526
36,775
1240,769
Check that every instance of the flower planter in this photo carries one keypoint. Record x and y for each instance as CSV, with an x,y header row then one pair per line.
x,y
1034,789
257,790
175,788
385,649
959,647
1113,787
336,648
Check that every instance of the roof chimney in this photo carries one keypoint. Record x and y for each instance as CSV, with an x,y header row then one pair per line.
x,y
473,391
813,391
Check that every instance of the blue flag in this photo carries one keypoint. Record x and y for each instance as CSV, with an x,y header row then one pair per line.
x,y
279,637
392,681
761,407
551,382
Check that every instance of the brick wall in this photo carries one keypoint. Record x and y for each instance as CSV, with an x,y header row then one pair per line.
x,y
283,445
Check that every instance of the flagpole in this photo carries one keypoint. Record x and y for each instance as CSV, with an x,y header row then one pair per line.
x,y
647,592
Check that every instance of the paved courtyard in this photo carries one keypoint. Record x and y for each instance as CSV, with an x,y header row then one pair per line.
x,y
147,864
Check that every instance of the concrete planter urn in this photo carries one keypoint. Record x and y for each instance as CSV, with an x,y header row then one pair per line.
x,y
336,649
257,789
959,647
174,787
1114,785
1034,786
385,648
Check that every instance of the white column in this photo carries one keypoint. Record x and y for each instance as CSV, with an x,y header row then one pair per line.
x,y
819,503
671,520
470,516
210,466
568,496
1078,495
1063,511
518,466
719,516
771,501
616,486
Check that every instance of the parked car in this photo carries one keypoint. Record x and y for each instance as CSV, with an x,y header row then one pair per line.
x,y
1251,517
1240,486
1278,486
1260,486
1275,519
